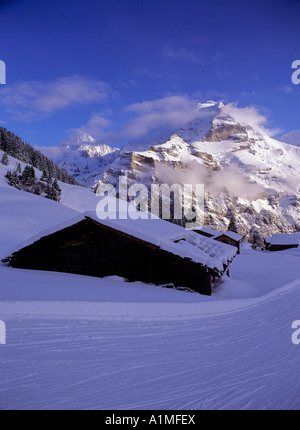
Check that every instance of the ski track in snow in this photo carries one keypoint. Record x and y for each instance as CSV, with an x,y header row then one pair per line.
x,y
237,360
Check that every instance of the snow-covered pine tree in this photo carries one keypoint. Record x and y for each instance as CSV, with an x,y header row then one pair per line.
x,y
13,180
49,191
8,174
18,168
232,225
45,176
4,159
28,176
56,191
37,190
53,192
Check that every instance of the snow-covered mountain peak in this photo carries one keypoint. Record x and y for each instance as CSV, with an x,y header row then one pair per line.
x,y
97,150
84,144
77,139
82,155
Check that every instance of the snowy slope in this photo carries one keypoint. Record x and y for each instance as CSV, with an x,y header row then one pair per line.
x,y
77,342
162,355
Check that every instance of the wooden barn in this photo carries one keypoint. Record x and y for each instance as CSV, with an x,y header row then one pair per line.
x,y
280,242
148,250
229,237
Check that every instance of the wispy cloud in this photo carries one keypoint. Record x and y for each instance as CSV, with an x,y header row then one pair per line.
x,y
192,56
286,89
228,180
97,127
167,113
250,116
35,99
143,117
172,111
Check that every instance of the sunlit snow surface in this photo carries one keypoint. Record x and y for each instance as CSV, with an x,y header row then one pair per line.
x,y
76,342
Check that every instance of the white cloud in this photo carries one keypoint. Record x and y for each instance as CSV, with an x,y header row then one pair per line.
x,y
96,126
249,116
171,111
228,180
33,99
168,113
143,117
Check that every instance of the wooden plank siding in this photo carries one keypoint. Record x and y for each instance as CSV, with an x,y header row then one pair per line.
x,y
280,247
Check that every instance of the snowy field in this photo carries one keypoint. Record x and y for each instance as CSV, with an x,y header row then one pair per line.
x,y
76,342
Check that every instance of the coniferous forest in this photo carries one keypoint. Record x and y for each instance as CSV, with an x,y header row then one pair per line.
x,y
14,146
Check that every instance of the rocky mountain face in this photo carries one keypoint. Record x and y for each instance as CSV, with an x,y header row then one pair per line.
x,y
247,175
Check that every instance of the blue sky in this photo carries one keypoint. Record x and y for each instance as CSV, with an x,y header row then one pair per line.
x,y
94,64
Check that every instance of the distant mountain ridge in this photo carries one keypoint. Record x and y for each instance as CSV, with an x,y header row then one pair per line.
x,y
82,156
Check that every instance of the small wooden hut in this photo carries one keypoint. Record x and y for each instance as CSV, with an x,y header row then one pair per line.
x,y
231,238
280,242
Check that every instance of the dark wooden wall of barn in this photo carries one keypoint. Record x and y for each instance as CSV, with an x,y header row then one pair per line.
x,y
229,241
280,247
94,250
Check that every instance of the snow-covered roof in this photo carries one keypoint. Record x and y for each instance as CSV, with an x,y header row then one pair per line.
x,y
167,236
208,230
284,239
232,235
216,233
